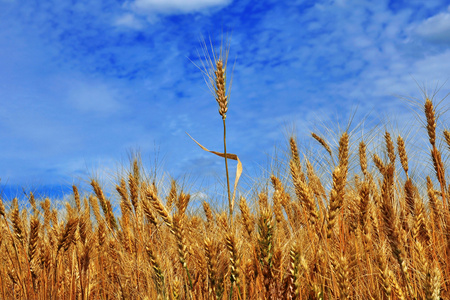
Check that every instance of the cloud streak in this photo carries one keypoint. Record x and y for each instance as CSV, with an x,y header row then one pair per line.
x,y
175,6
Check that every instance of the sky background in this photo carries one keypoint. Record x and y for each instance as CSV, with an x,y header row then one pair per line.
x,y
85,83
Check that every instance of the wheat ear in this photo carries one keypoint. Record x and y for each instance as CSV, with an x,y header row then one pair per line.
x,y
230,241
390,147
403,155
430,115
363,157
447,137
76,196
159,275
152,197
247,218
323,143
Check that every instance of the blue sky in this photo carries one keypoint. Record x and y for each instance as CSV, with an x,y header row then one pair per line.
x,y
82,84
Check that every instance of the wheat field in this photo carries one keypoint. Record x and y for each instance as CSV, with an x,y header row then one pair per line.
x,y
375,231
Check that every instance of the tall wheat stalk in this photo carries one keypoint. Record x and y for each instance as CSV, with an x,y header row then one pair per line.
x,y
214,69
222,100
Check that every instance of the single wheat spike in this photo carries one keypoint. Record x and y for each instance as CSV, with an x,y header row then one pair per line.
x,y
303,192
220,90
315,184
136,171
292,289
54,217
208,213
266,245
322,142
101,234
390,147
263,201
150,194
178,231
76,196
336,198
431,121
383,272
211,253
124,235
110,216
379,164
275,286
247,217
343,154
148,211
306,197
172,196
402,154
294,150
17,222
363,157
84,225
32,202
432,200
122,190
391,224
231,244
389,217
424,267
410,196
125,202
435,154
45,205
278,196
93,201
447,137
100,196
436,282
176,289
396,286
342,274
134,191
182,203
71,212
34,238
364,196
439,167
295,160
157,269
419,230
67,236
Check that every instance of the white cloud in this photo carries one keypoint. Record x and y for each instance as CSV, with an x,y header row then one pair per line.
x,y
130,21
174,6
436,28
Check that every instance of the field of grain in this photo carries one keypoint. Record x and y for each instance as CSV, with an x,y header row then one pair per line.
x,y
375,231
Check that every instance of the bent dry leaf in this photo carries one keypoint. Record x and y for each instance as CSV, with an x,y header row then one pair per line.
x,y
229,156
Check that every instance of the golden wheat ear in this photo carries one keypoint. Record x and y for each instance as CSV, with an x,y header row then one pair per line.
x,y
430,114
447,137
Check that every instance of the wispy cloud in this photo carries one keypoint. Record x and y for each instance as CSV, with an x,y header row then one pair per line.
x,y
129,20
175,6
436,28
